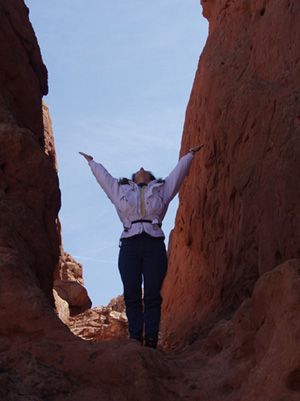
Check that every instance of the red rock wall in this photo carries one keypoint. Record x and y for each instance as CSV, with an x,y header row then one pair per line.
x,y
29,193
23,76
252,356
239,213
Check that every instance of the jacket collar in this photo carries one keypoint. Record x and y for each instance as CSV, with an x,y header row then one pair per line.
x,y
152,184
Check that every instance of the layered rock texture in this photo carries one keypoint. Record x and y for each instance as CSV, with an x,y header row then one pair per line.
x,y
231,298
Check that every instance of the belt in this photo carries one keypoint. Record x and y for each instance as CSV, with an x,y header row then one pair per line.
x,y
144,221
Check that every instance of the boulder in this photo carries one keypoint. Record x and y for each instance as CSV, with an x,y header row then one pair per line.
x,y
74,294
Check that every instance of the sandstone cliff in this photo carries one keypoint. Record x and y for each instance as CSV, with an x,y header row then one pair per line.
x,y
239,213
238,219
30,197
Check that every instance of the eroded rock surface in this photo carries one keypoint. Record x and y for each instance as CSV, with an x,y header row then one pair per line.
x,y
68,286
102,322
23,76
252,356
239,212
240,222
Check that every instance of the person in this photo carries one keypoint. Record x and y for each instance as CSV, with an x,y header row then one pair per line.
x,y
141,204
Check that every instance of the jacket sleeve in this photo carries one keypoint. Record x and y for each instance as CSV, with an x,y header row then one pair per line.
x,y
176,177
108,183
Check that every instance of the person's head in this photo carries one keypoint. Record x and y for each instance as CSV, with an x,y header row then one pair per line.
x,y
142,176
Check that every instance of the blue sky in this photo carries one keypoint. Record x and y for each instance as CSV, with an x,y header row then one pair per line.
x,y
120,77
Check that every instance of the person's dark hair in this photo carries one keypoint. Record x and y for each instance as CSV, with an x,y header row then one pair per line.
x,y
125,181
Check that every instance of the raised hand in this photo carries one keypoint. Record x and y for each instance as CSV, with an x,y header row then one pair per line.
x,y
87,157
196,148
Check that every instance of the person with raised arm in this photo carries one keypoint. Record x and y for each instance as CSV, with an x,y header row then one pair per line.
x,y
141,203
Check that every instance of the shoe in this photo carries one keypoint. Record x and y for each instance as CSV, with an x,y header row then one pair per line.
x,y
150,342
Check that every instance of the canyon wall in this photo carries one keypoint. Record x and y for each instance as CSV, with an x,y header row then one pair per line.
x,y
239,212
23,76
30,196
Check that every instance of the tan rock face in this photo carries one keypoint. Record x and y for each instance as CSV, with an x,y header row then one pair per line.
x,y
101,323
239,213
70,269
68,286
48,136
62,308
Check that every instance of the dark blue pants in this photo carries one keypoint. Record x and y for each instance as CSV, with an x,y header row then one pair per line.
x,y
143,257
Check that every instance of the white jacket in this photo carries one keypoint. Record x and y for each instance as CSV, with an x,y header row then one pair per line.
x,y
127,198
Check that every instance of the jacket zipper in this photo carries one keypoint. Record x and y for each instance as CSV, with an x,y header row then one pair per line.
x,y
142,196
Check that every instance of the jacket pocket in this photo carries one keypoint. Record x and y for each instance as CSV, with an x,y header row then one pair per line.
x,y
127,204
155,205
